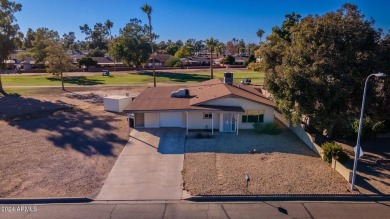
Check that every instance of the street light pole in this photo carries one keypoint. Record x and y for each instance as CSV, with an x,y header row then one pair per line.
x,y
360,128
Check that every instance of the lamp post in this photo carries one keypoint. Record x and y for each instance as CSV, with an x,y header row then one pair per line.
x,y
360,128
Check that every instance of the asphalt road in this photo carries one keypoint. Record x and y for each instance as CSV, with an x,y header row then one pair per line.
x,y
184,209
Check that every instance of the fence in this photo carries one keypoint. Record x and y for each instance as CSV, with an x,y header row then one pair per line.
x,y
309,140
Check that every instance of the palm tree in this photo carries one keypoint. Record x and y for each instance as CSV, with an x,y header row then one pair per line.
x,y
260,33
148,10
211,44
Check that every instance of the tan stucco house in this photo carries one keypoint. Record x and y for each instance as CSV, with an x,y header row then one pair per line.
x,y
219,105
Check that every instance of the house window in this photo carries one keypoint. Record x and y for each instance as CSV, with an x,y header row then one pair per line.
x,y
207,116
253,116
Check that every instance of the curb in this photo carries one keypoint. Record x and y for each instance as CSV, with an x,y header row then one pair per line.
x,y
283,197
63,200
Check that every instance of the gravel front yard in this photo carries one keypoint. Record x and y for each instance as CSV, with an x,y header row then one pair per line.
x,y
49,150
284,165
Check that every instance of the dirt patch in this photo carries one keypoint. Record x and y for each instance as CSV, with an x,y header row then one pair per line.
x,y
373,170
59,153
283,165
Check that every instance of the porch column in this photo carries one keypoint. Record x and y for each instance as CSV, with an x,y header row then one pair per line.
x,y
238,121
187,123
212,123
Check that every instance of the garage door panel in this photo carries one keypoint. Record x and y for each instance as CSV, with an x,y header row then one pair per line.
x,y
171,119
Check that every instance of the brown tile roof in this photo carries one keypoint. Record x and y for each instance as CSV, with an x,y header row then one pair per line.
x,y
159,98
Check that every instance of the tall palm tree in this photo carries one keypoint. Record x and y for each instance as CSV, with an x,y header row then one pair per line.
x,y
148,10
211,44
260,33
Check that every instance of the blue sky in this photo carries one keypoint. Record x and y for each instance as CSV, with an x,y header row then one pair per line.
x,y
183,19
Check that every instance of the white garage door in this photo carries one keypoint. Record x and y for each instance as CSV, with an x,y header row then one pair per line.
x,y
171,119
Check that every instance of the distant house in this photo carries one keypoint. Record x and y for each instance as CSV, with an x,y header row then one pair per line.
x,y
15,61
217,105
159,59
194,61
103,61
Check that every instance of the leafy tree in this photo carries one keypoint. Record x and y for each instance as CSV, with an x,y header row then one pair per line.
x,y
172,49
68,39
8,31
132,46
183,52
251,59
220,49
228,60
109,25
317,66
260,33
97,37
30,36
57,61
179,43
148,10
173,62
211,44
251,48
42,38
87,61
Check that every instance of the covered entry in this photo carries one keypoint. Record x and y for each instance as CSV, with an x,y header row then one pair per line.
x,y
229,122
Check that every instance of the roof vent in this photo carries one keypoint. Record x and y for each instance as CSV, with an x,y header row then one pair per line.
x,y
228,78
181,93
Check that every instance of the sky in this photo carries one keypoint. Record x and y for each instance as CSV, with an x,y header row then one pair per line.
x,y
184,19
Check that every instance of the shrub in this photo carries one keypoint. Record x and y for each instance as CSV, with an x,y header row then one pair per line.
x,y
228,60
267,128
173,62
331,149
370,127
199,135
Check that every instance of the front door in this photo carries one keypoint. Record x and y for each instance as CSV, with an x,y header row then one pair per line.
x,y
229,122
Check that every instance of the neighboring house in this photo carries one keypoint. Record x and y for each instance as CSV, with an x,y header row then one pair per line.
x,y
103,61
15,61
159,59
214,104
194,61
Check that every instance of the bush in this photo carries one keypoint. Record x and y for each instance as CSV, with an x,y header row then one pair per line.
x,y
228,60
331,149
173,62
267,128
370,127
250,60
200,135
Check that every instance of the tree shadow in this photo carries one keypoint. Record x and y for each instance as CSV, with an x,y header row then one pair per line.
x,y
63,125
79,80
178,77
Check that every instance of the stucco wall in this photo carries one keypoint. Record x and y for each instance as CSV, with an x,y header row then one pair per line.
x,y
152,120
246,105
196,121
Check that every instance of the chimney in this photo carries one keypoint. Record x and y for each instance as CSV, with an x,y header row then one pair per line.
x,y
228,78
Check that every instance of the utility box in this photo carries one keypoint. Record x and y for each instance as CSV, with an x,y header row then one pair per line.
x,y
116,103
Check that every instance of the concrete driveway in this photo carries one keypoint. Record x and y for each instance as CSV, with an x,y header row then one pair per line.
x,y
149,167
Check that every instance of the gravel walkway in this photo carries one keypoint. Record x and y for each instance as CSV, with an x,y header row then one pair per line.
x,y
283,165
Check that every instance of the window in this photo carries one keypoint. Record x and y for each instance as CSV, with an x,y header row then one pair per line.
x,y
207,116
253,116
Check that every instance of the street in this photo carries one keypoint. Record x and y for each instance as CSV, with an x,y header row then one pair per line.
x,y
185,209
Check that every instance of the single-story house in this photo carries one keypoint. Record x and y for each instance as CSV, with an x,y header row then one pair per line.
x,y
216,105
159,59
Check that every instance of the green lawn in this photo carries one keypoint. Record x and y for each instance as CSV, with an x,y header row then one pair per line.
x,y
125,78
